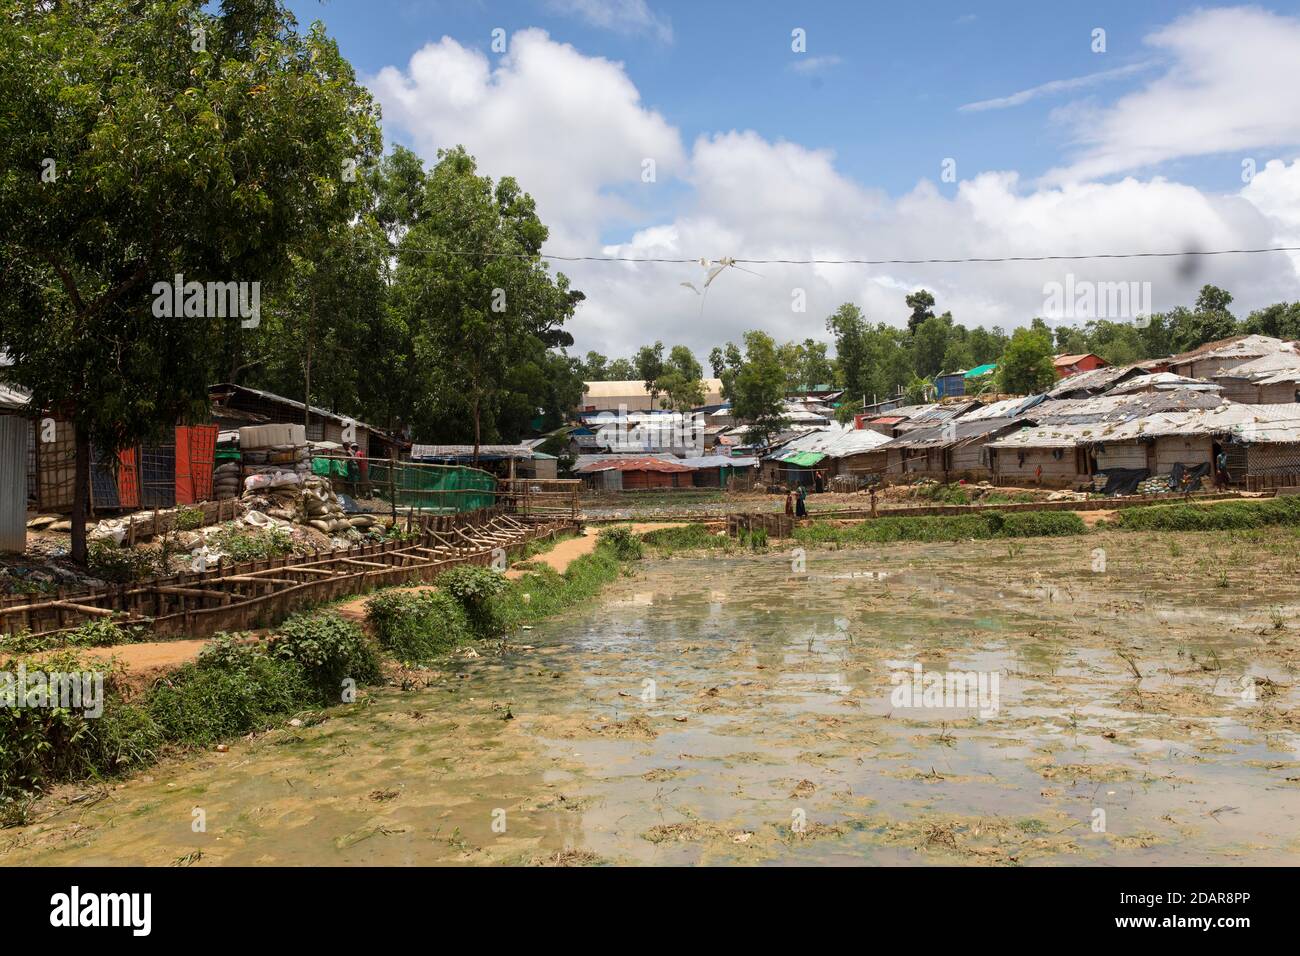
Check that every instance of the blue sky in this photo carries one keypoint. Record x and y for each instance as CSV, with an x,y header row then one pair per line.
x,y
888,104
1159,125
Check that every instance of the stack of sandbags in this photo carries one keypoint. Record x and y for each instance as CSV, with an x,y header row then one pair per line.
x,y
1155,485
274,456
225,479
306,501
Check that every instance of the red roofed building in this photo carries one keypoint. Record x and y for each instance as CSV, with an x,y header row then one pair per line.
x,y
1067,365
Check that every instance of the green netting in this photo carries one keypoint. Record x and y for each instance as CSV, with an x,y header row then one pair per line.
x,y
442,489
329,467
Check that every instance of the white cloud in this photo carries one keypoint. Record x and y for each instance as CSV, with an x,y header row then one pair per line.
x,y
573,130
569,127
621,16
1275,191
1052,87
1233,86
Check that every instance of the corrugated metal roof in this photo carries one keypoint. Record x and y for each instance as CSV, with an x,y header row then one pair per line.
x,y
1007,408
719,461
1119,408
1074,359
633,464
13,399
464,451
1248,423
951,433
1094,380
855,441
1235,346
1162,381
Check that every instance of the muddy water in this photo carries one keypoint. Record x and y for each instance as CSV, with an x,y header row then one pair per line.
x,y
732,710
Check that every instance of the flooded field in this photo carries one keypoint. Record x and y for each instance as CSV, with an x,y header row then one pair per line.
x,y
1136,704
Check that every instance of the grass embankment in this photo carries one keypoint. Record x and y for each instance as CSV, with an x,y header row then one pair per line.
x,y
314,661
233,688
1226,516
984,524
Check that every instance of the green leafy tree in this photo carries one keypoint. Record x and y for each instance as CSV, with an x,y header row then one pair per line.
x,y
682,380
930,344
649,363
1026,366
141,139
755,385
1280,320
595,368
476,295
921,303
621,370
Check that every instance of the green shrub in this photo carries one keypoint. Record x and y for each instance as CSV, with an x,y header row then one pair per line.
x,y
626,544
117,565
188,519
687,537
202,703
242,545
40,746
1228,516
329,649
550,593
478,590
942,494
418,626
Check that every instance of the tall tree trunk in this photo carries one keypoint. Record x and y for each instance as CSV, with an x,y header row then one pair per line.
x,y
477,427
80,495
306,395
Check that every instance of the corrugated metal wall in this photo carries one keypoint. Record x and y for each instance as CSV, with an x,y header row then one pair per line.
x,y
13,483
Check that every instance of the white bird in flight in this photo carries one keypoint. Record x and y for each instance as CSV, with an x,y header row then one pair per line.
x,y
712,271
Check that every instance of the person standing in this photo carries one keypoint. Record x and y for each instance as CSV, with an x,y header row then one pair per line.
x,y
1221,478
363,467
789,501
800,509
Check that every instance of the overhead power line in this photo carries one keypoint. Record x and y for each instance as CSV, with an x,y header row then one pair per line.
x,y
894,262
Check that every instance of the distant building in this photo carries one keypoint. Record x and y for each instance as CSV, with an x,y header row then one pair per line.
x,y
634,396
1067,365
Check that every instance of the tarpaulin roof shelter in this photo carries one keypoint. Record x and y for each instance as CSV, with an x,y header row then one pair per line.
x,y
804,459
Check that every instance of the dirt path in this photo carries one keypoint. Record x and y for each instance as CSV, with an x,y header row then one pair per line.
x,y
144,662
566,552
